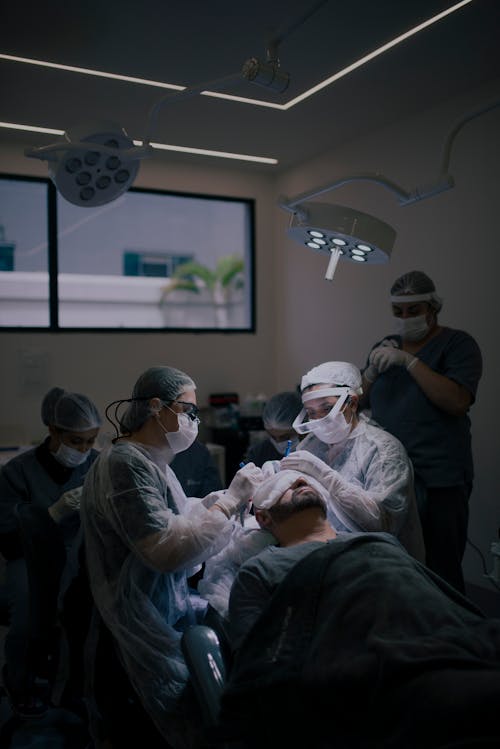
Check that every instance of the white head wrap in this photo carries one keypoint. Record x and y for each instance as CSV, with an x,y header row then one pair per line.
x,y
271,489
335,373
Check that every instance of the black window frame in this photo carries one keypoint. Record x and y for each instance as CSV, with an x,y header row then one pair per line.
x,y
53,266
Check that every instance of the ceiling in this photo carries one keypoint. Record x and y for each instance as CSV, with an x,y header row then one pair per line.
x,y
197,41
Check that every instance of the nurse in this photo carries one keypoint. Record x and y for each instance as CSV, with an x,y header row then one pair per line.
x,y
420,384
49,476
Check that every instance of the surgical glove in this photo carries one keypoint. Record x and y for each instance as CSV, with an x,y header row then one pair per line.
x,y
305,462
384,357
240,491
67,502
245,482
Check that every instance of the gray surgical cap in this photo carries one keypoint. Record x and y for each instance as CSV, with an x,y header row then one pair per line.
x,y
336,374
166,383
415,283
72,412
281,409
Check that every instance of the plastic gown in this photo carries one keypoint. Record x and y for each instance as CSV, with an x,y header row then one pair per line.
x,y
374,489
143,537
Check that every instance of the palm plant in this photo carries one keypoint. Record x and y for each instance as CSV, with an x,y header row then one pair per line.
x,y
195,277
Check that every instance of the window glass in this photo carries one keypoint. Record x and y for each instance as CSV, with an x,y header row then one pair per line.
x,y
156,260
24,277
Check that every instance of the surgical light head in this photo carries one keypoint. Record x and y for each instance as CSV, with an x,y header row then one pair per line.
x,y
92,165
342,233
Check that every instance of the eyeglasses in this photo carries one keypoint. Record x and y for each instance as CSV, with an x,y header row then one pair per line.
x,y
189,409
318,413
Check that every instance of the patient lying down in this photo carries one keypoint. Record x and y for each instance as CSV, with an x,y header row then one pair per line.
x,y
351,641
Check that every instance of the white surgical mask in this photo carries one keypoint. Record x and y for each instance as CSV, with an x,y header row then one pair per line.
x,y
70,457
412,328
282,446
332,428
185,435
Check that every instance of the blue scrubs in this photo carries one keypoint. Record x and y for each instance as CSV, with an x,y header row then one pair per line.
x,y
438,443
33,476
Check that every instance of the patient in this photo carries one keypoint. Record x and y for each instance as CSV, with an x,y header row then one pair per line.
x,y
358,627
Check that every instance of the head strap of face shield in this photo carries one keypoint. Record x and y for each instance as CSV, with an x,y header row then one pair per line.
x,y
304,427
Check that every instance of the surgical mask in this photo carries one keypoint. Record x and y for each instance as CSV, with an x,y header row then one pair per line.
x,y
412,328
282,446
70,457
185,435
332,428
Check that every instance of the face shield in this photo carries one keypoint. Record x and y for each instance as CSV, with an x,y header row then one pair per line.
x,y
329,428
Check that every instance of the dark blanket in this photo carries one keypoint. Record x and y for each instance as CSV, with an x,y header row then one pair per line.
x,y
361,646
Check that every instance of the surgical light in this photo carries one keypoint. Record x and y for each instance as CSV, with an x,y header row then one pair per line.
x,y
92,165
364,238
327,228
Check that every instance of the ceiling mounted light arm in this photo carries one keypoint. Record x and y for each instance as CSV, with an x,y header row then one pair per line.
x,y
217,85
294,204
450,138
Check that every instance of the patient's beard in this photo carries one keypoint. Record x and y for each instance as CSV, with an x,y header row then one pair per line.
x,y
300,500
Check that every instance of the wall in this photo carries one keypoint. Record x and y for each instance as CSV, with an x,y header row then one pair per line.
x,y
453,237
303,319
106,365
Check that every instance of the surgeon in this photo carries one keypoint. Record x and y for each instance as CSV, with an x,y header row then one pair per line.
x,y
143,538
368,469
48,476
278,416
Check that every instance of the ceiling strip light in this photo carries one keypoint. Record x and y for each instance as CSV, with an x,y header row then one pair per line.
x,y
375,53
207,152
31,128
159,146
241,99
89,71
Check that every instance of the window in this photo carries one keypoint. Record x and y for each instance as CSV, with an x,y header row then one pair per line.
x,y
149,260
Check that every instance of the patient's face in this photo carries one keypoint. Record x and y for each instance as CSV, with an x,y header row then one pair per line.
x,y
299,496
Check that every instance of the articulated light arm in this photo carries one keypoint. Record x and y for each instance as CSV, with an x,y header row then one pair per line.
x,y
442,183
186,93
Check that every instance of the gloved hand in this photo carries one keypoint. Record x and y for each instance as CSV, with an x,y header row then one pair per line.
x,y
305,462
240,490
372,372
67,502
384,357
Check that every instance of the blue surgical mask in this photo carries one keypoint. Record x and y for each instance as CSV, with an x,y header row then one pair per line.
x,y
70,457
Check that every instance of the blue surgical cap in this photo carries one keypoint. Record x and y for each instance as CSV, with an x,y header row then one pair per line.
x,y
72,412
281,409
166,383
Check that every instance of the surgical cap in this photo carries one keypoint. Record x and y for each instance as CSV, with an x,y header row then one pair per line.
x,y
271,489
166,383
72,412
417,284
281,410
336,374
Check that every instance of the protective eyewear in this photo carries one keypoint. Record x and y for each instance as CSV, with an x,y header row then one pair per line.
x,y
303,424
189,409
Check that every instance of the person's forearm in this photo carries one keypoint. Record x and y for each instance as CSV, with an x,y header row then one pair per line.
x,y
444,393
